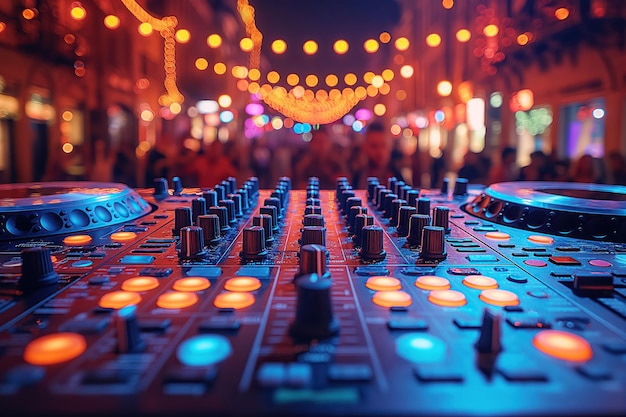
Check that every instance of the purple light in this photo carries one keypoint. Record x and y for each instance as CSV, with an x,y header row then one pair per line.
x,y
363,114
254,109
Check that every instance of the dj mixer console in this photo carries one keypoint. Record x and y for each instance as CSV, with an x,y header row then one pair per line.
x,y
390,301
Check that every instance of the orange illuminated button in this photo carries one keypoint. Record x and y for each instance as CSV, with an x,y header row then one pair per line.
x,y
480,282
177,299
236,300
432,282
191,284
77,240
497,235
546,240
140,284
53,258
563,345
123,236
383,284
447,298
499,297
119,299
54,348
244,284
392,299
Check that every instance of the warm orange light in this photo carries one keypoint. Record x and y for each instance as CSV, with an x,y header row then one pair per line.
x,y
67,147
54,348
383,283
480,282
380,109
273,77
341,47
371,46
402,44
145,29
444,88
561,13
497,235
545,240
242,284
246,44
3,26
279,46
202,64
78,12
378,81
28,14
392,299
310,47
523,39
563,345
447,4
499,297
123,236
112,21
293,79
447,298
224,100
139,284
235,300
384,37
119,299
463,35
406,71
433,40
401,95
368,77
191,284
77,240
360,92
491,30
350,78
432,282
182,35
331,80
214,40
387,74
219,68
67,115
254,74
176,299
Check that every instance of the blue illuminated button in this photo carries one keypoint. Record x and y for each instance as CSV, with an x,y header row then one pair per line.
x,y
204,350
421,348
137,259
83,263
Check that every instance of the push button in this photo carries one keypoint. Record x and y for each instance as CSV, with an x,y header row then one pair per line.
x,y
564,260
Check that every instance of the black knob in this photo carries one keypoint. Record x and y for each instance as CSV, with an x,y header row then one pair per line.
x,y
210,224
245,199
313,235
377,189
271,211
312,192
128,332
314,312
380,201
433,243
423,206
313,260
417,222
254,185
351,202
221,191
265,221
441,217
345,195
403,193
286,181
316,202
227,187
222,214
312,210
280,195
230,210
460,187
386,206
404,215
233,184
192,243
182,218
372,182
254,244
395,209
372,243
37,269
445,186
273,201
198,208
411,197
360,221
399,188
391,183
211,198
161,187
313,220
236,198
177,186
352,213
489,340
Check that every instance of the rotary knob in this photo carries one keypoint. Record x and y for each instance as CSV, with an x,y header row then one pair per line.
x,y
182,218
210,224
273,213
445,186
192,243
441,216
37,269
230,210
313,235
372,182
395,211
360,221
222,214
460,187
404,216
314,313
417,222
423,206
245,199
352,213
351,202
265,221
273,201
312,210
160,188
177,186
210,198
433,244
254,244
313,220
220,190
313,261
313,202
411,197
236,199
198,208
372,243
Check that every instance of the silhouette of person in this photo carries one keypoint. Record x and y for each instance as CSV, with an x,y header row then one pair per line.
x,y
376,153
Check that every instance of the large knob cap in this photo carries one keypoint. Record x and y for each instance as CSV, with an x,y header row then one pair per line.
x,y
411,197
314,311
271,211
404,215
313,260
222,214
375,197
360,221
198,208
352,213
227,187
391,183
210,197
433,243
372,243
192,243
386,207
395,211
37,269
460,187
372,182
210,224
265,221
423,206
351,202
441,216
380,201
128,332
230,210
177,186
399,188
312,210
313,220
236,199
273,201
233,184
245,199
343,198
417,222
182,218
160,188
445,186
254,244
313,235
220,190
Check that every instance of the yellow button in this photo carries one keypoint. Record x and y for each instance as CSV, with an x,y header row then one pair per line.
x,y
563,345
77,240
54,348
447,298
177,299
480,282
244,284
236,300
497,235
119,299
499,297
140,284
123,236
383,284
191,284
432,282
546,240
392,299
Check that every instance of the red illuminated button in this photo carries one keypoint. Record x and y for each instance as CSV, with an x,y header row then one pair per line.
x,y
244,284
119,299
563,260
563,345
392,299
432,282
54,348
447,298
140,284
191,284
235,300
480,282
383,284
499,297
177,299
